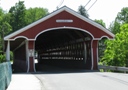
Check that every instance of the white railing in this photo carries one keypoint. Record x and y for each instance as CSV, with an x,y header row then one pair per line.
x,y
115,68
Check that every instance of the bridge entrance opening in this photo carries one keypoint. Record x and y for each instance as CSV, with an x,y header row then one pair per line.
x,y
65,48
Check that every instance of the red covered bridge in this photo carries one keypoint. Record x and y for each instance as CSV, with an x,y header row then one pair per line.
x,y
62,38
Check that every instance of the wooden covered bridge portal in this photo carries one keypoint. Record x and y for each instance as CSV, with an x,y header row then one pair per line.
x,y
62,38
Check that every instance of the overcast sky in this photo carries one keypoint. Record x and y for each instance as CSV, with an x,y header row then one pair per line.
x,y
102,9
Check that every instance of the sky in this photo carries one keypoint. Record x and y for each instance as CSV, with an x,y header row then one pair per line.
x,y
103,9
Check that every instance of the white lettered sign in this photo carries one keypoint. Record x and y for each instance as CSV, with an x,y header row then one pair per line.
x,y
64,21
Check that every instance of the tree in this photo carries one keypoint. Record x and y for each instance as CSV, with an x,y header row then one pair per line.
x,y
5,28
122,16
83,11
17,17
117,49
114,27
100,22
20,16
17,13
33,14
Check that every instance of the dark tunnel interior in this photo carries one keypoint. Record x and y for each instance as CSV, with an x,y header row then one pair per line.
x,y
65,48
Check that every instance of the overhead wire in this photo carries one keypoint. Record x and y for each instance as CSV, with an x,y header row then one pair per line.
x,y
60,4
87,3
84,6
92,5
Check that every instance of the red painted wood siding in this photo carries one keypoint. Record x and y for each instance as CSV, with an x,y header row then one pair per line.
x,y
51,23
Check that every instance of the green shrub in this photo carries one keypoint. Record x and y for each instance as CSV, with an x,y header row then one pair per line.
x,y
2,58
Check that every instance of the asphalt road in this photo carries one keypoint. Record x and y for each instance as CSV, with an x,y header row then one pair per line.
x,y
83,80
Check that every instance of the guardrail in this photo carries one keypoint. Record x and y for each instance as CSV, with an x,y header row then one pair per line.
x,y
115,68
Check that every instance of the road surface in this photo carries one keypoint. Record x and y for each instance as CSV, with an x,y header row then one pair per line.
x,y
83,80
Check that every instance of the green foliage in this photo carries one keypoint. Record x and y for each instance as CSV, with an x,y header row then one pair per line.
x,y
100,22
2,58
83,11
116,50
17,13
17,17
114,27
5,27
122,16
20,16
101,48
33,14
11,56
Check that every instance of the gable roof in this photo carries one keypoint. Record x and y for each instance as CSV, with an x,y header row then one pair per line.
x,y
65,8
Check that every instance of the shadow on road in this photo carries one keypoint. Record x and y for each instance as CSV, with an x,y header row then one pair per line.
x,y
46,69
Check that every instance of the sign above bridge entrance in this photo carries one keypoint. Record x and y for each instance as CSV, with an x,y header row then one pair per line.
x,y
64,21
